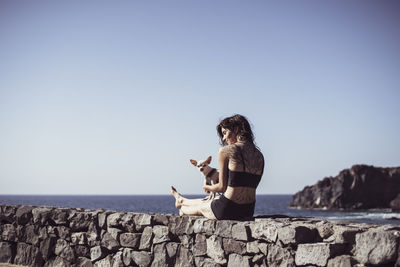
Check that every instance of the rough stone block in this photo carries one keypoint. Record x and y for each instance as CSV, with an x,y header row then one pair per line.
x,y
79,238
172,249
345,234
184,257
182,225
47,247
141,258
233,246
59,216
341,261
97,253
200,245
8,232
117,260
377,247
161,234
58,262
23,214
146,239
224,228
80,221
106,262
205,262
317,253
297,234
82,251
238,260
30,234
160,219
109,242
6,252
214,249
278,256
204,225
160,255
114,219
240,231
41,215
130,240
62,232
127,256
115,232
265,230
64,250
102,219
83,262
7,213
28,255
141,221
128,223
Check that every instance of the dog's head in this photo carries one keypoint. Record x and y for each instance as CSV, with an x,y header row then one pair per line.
x,y
201,165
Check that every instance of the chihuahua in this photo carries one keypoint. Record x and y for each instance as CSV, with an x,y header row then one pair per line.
x,y
210,174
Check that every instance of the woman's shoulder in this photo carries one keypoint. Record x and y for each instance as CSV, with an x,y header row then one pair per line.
x,y
229,149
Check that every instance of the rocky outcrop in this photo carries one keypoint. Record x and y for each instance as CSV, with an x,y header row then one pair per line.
x,y
360,187
46,236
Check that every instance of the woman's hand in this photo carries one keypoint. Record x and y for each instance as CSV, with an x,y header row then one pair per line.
x,y
206,189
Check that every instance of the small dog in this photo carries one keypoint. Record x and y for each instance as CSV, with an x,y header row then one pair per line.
x,y
211,175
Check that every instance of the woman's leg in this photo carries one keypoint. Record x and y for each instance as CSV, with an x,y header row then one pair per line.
x,y
192,206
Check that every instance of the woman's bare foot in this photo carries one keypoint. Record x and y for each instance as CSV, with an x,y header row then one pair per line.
x,y
177,196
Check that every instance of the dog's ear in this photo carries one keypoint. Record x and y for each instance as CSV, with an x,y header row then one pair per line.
x,y
208,160
193,162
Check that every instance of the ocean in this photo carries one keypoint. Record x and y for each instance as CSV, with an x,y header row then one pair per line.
x,y
265,205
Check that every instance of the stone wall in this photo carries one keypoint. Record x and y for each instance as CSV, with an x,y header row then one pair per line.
x,y
46,236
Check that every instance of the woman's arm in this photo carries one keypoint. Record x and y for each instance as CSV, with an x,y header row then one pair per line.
x,y
223,161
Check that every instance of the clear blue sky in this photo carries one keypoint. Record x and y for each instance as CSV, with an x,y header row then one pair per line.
x,y
115,97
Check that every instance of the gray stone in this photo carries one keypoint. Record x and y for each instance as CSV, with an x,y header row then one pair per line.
x,y
115,232
63,232
161,234
83,262
205,262
23,214
30,234
204,225
106,262
146,239
182,225
114,219
28,255
265,230
127,256
64,250
236,260
41,215
82,251
345,234
317,253
47,247
161,219
160,255
200,245
97,253
7,213
79,238
141,258
80,221
128,223
369,252
172,248
57,262
325,229
234,246
297,234
102,219
224,228
214,249
6,254
278,256
8,232
130,240
340,261
109,242
187,241
184,257
117,260
59,216
252,247
240,231
141,221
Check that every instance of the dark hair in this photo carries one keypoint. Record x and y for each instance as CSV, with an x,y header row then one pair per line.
x,y
238,122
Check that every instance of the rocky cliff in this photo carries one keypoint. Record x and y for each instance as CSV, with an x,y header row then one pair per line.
x,y
360,187
46,236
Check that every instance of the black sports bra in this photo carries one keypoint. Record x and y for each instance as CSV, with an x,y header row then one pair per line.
x,y
246,179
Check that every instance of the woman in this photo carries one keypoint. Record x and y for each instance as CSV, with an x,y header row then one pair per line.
x,y
241,166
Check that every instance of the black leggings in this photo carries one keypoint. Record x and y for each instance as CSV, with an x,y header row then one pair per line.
x,y
225,209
